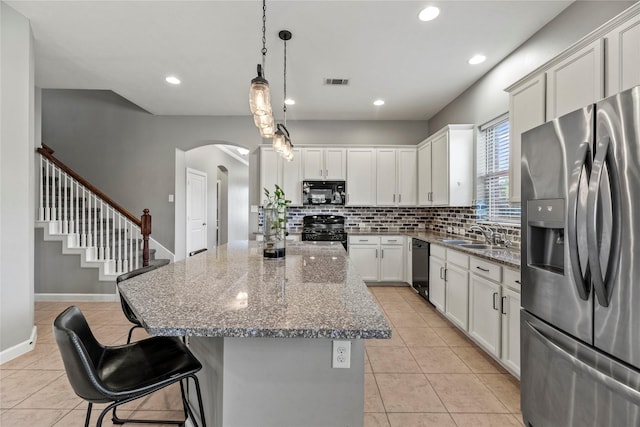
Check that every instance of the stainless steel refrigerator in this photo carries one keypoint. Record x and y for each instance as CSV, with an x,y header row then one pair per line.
x,y
580,320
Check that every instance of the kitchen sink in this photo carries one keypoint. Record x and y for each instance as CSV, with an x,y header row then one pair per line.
x,y
456,242
476,246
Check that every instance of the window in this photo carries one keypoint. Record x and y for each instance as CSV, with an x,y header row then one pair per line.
x,y
492,173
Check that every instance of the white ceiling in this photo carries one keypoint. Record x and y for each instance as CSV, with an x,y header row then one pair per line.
x,y
213,47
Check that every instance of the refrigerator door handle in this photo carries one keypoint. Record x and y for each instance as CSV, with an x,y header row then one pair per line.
x,y
578,365
603,286
582,282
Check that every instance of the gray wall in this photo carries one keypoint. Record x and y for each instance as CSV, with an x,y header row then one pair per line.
x,y
130,154
486,99
17,183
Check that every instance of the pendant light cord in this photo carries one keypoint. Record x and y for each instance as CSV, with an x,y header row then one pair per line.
x,y
284,102
264,34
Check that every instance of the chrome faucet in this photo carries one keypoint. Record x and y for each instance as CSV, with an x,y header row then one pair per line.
x,y
492,236
487,232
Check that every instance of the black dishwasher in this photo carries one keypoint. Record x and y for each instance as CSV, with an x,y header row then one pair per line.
x,y
420,267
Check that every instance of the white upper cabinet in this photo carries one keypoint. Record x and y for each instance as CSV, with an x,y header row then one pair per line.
x,y
424,174
576,81
270,170
324,163
526,111
386,177
288,175
407,176
396,183
361,177
445,174
292,177
440,170
623,57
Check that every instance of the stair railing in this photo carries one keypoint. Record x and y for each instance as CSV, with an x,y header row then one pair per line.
x,y
90,217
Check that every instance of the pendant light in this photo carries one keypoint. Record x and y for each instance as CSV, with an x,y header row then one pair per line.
x,y
281,139
259,96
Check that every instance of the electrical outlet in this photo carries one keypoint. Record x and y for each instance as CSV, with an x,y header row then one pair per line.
x,y
362,225
341,355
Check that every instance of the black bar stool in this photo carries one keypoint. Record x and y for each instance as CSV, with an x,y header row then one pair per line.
x,y
120,374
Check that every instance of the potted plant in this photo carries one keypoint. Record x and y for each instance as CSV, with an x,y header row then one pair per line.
x,y
275,223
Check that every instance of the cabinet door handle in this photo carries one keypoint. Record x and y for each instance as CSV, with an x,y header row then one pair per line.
x,y
399,198
382,252
394,197
392,240
376,253
495,294
486,270
321,172
441,274
503,305
326,173
518,282
446,270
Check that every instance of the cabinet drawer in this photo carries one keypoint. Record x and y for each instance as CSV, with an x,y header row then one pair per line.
x,y
392,240
511,279
458,258
437,251
486,269
364,240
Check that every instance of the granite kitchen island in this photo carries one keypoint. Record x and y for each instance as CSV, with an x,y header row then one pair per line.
x,y
263,330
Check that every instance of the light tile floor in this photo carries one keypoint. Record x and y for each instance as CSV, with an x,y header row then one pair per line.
x,y
428,374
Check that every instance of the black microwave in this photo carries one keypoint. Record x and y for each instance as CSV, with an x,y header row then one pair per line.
x,y
323,193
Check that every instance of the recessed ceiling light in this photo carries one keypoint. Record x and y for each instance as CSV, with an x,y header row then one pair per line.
x,y
429,13
289,101
477,59
378,102
173,80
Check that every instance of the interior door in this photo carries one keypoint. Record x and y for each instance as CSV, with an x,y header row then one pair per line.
x,y
196,210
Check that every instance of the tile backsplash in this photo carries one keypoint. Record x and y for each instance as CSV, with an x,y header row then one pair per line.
x,y
384,219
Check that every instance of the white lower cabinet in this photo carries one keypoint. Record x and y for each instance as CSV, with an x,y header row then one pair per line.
x,y
449,284
481,298
436,282
494,311
484,313
457,296
365,257
511,303
378,258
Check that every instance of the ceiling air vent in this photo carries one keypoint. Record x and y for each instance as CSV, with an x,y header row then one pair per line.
x,y
336,82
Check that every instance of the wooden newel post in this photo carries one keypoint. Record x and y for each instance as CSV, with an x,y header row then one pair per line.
x,y
145,229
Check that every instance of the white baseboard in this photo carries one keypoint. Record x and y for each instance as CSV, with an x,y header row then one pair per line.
x,y
20,349
77,297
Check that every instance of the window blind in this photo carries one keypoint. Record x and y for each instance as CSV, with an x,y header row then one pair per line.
x,y
492,173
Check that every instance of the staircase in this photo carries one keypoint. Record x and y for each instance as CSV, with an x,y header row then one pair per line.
x,y
90,224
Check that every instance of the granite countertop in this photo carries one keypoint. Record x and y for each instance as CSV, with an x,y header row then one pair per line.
x,y
509,257
232,291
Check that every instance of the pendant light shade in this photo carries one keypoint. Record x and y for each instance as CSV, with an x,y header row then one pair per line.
x,y
265,120
259,96
267,131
